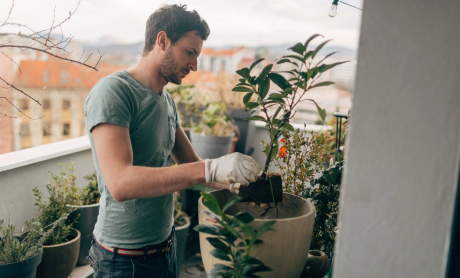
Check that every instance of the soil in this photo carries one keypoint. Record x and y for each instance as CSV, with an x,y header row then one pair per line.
x,y
260,192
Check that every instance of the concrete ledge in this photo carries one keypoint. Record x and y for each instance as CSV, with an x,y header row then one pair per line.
x,y
41,153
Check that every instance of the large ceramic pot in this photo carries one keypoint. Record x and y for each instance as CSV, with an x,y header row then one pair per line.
x,y
59,260
284,249
209,146
22,269
181,236
85,224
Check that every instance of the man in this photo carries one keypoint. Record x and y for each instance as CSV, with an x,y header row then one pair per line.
x,y
133,129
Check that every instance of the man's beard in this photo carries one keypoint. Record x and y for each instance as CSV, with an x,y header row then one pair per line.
x,y
169,69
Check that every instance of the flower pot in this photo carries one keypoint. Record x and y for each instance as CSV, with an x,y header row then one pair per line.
x,y
22,269
85,224
209,146
284,249
246,128
181,236
59,260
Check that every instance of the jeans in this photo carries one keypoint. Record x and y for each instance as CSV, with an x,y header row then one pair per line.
x,y
110,265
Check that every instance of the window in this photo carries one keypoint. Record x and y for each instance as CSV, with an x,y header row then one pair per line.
x,y
25,130
46,104
46,129
45,76
66,104
66,129
23,104
64,77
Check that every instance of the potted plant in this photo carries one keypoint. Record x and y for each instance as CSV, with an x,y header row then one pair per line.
x,y
233,239
295,215
20,255
214,135
87,214
182,225
61,247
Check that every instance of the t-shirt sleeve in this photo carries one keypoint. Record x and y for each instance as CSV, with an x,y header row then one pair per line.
x,y
108,102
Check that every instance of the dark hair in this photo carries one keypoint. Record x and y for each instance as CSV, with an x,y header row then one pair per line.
x,y
176,21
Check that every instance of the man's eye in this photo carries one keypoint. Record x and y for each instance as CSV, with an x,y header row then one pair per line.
x,y
189,52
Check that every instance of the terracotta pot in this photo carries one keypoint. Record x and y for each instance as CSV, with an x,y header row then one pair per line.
x,y
59,260
284,249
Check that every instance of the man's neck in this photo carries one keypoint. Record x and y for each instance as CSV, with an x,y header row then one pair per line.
x,y
148,74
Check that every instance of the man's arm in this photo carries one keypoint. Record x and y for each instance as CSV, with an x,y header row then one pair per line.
x,y
125,181
183,151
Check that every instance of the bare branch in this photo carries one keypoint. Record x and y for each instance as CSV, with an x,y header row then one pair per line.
x,y
20,71
9,14
52,24
17,89
17,108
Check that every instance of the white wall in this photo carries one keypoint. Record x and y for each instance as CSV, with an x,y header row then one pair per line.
x,y
403,146
22,170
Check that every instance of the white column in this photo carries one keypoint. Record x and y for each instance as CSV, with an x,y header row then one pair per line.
x,y
403,146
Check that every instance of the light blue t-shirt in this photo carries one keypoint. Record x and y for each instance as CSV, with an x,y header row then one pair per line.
x,y
152,120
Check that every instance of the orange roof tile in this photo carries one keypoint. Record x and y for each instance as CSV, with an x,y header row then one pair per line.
x,y
208,51
77,76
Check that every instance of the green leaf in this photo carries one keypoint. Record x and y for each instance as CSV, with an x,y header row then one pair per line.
x,y
252,105
255,63
275,96
279,80
327,56
289,127
244,72
325,67
220,255
211,202
325,83
298,48
212,215
252,260
277,112
245,217
256,118
219,244
264,86
321,112
308,55
274,150
246,98
311,38
264,228
231,202
318,48
282,61
221,270
251,269
295,57
266,70
242,89
209,229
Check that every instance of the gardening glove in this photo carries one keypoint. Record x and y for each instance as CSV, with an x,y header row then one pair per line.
x,y
232,168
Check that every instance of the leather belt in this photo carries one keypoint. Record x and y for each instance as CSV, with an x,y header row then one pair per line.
x,y
140,251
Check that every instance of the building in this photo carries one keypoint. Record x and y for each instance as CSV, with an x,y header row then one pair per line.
x,y
62,88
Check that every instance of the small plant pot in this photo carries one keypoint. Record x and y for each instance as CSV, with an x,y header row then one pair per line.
x,y
22,269
284,249
85,224
59,260
181,236
209,146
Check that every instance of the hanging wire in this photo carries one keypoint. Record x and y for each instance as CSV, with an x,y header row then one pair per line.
x,y
350,5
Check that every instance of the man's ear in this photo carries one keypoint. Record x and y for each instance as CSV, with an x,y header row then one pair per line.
x,y
162,40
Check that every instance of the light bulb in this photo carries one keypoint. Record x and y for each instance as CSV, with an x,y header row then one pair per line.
x,y
333,9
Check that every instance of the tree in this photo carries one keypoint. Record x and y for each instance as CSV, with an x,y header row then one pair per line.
x,y
44,41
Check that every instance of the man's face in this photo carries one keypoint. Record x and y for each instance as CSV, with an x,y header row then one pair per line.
x,y
181,58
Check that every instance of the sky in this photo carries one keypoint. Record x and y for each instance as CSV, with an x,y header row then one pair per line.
x,y
232,22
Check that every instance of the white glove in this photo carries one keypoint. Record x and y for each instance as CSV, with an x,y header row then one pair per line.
x,y
232,168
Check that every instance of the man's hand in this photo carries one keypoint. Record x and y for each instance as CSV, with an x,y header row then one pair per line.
x,y
232,168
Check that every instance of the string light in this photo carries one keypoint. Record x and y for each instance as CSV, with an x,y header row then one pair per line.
x,y
333,8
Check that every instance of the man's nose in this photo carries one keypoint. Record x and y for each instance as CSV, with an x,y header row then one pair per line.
x,y
193,66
